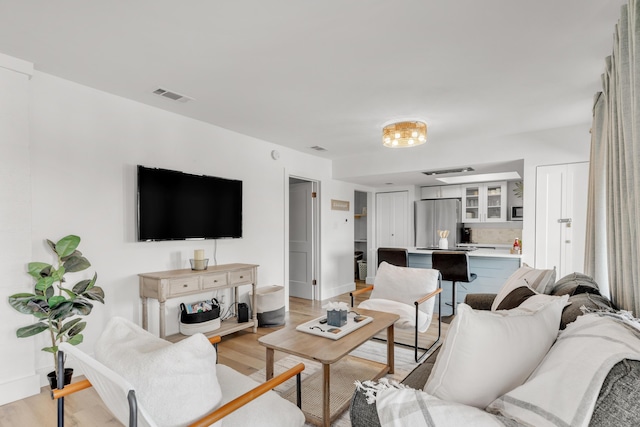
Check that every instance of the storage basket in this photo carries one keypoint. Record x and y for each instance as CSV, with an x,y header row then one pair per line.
x,y
206,319
204,327
269,305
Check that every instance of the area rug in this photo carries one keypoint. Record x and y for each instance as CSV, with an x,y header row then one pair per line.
x,y
342,386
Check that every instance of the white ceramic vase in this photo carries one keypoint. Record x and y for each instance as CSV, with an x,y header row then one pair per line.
x,y
443,243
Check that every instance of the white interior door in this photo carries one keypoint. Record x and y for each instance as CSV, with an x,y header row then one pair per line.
x,y
561,211
392,219
301,239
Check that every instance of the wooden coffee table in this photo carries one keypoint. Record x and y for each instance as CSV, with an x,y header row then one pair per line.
x,y
328,352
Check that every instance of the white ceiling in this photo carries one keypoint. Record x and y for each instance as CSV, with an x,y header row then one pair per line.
x,y
301,73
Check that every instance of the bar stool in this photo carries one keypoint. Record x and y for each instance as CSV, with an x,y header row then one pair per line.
x,y
394,256
454,267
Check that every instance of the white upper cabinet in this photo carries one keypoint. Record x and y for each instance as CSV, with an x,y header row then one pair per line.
x,y
484,202
441,192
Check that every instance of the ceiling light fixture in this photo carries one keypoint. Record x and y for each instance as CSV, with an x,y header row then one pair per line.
x,y
445,171
404,134
483,177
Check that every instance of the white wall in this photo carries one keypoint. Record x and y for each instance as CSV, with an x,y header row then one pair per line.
x,y
81,159
17,376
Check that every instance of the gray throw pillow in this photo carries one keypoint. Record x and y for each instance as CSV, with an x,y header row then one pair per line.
x,y
592,301
574,284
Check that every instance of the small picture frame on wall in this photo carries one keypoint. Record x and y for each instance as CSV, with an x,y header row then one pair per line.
x,y
339,205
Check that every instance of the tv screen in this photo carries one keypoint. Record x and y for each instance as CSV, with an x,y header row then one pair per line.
x,y
178,206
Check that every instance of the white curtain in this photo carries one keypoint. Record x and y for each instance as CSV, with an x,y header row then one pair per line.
x,y
613,239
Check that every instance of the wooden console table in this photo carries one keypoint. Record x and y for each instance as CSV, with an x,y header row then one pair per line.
x,y
164,285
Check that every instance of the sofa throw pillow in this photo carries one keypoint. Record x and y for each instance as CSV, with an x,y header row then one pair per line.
x,y
525,297
579,301
564,388
574,284
175,383
540,281
516,297
486,354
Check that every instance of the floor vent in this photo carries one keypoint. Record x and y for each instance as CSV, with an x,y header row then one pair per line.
x,y
172,95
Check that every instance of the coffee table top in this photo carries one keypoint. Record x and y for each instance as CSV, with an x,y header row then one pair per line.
x,y
324,350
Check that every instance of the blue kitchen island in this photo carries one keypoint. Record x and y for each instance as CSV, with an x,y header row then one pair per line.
x,y
493,267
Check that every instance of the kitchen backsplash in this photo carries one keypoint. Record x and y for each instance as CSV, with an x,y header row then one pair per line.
x,y
498,236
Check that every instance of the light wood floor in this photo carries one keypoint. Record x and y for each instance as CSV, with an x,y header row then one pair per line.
x,y
239,351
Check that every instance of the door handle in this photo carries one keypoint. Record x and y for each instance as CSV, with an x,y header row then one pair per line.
x,y
564,221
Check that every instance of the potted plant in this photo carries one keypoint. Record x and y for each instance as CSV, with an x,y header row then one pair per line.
x,y
53,304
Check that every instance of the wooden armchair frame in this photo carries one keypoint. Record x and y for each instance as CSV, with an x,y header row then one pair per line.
x,y
417,303
62,391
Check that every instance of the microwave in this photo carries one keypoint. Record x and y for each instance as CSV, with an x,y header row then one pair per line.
x,y
516,213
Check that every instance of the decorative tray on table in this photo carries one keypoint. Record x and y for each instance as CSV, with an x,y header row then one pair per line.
x,y
315,327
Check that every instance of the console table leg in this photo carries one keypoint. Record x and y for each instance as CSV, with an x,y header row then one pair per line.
x,y
145,314
162,321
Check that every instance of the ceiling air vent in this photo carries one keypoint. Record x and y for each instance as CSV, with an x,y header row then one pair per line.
x,y
172,95
443,171
318,148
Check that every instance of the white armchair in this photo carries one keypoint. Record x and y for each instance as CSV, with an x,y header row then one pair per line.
x,y
408,292
146,381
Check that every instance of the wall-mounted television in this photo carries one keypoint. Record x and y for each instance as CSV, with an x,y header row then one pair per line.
x,y
175,205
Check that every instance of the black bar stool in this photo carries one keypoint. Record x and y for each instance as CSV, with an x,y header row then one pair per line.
x,y
394,256
454,267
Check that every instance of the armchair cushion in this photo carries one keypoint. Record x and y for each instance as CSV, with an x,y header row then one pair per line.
x,y
268,410
405,285
175,383
406,312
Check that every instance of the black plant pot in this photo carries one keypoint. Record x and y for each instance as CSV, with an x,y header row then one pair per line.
x,y
53,378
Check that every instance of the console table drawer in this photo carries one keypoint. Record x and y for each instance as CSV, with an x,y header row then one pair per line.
x,y
214,280
241,277
181,286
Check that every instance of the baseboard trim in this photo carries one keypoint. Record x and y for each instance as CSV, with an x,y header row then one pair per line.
x,y
20,388
342,289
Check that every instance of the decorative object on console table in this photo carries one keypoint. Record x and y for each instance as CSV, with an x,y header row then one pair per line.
x,y
199,262
336,313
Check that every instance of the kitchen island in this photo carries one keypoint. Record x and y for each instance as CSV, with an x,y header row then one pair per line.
x,y
493,267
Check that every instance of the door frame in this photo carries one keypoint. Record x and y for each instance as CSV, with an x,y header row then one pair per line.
x,y
315,257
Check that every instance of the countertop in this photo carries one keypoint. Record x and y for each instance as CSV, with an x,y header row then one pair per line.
x,y
499,252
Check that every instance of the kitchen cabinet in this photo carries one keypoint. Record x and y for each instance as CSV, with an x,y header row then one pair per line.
x,y
441,192
484,202
392,219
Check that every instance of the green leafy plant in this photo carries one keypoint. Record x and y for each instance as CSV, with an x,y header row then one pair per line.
x,y
519,189
53,303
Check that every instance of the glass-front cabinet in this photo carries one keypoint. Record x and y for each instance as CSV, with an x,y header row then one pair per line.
x,y
484,202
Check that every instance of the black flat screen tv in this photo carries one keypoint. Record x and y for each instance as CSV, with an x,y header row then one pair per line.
x,y
175,205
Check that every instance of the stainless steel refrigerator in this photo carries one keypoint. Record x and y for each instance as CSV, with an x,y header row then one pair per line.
x,y
433,215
